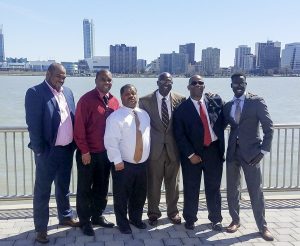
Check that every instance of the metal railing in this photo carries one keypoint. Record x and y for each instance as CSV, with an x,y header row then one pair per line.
x,y
280,168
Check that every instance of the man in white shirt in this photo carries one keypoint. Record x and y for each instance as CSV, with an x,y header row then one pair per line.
x,y
127,140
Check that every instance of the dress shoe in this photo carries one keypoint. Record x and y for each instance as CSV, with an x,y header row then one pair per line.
x,y
125,230
266,234
233,227
87,229
138,224
189,225
41,237
217,226
101,221
153,220
69,222
176,219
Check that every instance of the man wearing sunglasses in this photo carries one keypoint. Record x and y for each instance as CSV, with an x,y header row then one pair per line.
x,y
92,162
245,150
199,134
164,160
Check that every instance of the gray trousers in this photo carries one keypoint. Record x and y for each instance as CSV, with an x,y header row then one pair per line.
x,y
254,185
159,170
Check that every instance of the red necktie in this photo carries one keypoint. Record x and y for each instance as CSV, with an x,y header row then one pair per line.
x,y
203,116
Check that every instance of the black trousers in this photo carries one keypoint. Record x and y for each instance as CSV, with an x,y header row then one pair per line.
x,y
92,186
129,191
212,168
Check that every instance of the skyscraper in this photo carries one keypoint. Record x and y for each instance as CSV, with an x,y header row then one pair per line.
x,y
2,55
290,58
174,63
268,56
88,38
211,61
240,57
123,59
188,49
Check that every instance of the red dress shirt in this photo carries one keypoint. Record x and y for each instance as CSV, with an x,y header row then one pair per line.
x,y
90,121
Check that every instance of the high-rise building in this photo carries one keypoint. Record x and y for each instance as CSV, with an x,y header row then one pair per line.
x,y
174,63
2,54
88,38
240,55
211,61
123,59
141,65
188,49
268,56
290,58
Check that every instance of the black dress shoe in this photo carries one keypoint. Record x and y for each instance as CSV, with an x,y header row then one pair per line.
x,y
217,226
41,237
87,229
138,224
70,222
125,230
153,220
189,225
266,234
233,227
101,221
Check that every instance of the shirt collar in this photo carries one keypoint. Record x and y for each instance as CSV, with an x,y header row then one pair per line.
x,y
160,97
242,98
196,102
101,94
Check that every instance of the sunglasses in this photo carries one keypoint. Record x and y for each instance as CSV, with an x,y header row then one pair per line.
x,y
193,83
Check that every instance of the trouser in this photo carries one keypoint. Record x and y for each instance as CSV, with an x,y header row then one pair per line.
x,y
54,164
158,170
212,168
92,186
254,185
129,192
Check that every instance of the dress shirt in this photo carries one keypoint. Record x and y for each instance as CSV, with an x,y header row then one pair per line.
x,y
90,121
233,107
120,135
196,104
159,98
65,128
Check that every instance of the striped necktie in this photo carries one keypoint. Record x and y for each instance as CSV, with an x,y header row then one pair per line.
x,y
238,111
164,113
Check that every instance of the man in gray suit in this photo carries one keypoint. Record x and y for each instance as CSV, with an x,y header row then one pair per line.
x,y
164,159
245,150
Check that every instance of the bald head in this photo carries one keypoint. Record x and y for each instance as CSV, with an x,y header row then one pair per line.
x,y
164,76
56,75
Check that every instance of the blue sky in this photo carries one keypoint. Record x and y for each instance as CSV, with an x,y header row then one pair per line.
x,y
42,30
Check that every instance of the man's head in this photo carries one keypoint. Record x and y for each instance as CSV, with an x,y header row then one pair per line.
x,y
129,96
103,81
238,84
56,75
196,87
164,83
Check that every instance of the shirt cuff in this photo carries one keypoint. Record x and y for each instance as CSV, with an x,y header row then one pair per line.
x,y
264,152
190,156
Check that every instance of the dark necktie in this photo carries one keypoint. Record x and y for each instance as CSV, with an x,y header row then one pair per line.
x,y
105,100
107,111
164,113
138,153
238,111
203,116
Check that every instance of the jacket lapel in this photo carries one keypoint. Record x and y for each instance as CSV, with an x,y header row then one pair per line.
x,y
245,107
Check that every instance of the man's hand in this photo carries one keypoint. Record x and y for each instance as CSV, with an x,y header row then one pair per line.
x,y
256,159
86,158
195,159
119,166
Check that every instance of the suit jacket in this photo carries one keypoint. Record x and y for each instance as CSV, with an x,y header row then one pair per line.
x,y
159,135
43,116
188,127
254,112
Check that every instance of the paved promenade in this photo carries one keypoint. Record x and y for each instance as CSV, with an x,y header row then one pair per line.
x,y
283,217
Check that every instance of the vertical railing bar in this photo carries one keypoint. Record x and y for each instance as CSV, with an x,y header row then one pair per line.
x,y
277,161
32,178
15,163
6,162
23,160
292,160
263,172
270,167
298,170
284,157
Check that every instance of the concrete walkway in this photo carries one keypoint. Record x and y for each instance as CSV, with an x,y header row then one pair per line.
x,y
283,217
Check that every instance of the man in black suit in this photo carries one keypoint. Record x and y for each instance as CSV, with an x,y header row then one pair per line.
x,y
245,150
200,140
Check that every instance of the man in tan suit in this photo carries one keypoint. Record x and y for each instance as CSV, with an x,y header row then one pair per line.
x,y
164,160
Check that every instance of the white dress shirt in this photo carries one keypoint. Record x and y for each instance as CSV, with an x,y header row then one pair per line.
x,y
159,98
196,104
120,135
233,107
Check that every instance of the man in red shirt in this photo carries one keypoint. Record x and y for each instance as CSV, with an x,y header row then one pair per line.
x,y
92,163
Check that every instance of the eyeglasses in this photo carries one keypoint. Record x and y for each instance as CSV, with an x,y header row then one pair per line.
x,y
193,83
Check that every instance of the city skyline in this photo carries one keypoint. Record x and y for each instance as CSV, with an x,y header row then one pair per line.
x,y
53,30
